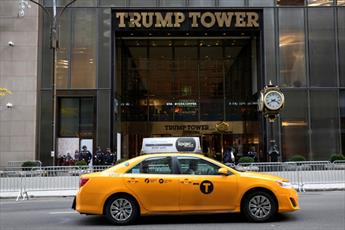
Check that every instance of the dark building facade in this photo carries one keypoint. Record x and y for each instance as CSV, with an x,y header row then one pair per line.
x,y
131,69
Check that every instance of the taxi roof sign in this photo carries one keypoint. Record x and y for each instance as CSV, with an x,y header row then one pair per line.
x,y
171,145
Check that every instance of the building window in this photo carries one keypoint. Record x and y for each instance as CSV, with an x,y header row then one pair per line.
x,y
322,47
324,123
341,2
294,125
320,2
84,43
76,117
292,47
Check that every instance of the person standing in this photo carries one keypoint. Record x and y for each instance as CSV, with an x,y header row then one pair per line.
x,y
109,157
229,155
252,153
98,157
77,156
86,155
274,153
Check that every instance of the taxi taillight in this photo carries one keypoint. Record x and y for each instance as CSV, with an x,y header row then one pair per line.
x,y
83,181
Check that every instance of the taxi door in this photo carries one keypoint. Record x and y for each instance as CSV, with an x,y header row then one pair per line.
x,y
153,182
202,189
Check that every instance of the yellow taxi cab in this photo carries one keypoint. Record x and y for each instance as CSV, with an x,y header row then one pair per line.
x,y
171,183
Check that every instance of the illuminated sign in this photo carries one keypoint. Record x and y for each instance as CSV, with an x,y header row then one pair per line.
x,y
207,19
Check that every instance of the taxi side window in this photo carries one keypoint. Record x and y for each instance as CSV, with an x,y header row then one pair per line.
x,y
157,165
196,166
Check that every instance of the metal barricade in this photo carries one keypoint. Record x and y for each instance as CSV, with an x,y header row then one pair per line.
x,y
23,180
303,175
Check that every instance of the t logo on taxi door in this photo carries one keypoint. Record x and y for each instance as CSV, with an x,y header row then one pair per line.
x,y
206,187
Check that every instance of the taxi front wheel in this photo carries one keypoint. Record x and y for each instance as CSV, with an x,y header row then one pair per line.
x,y
259,206
122,210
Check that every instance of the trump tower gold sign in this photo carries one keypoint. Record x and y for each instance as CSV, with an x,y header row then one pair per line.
x,y
191,20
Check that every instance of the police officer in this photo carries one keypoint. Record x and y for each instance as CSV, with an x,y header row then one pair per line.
x,y
98,157
109,157
85,154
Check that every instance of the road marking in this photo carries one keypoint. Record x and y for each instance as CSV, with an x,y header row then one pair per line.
x,y
66,212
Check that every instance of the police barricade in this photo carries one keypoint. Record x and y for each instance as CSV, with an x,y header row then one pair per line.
x,y
304,174
54,178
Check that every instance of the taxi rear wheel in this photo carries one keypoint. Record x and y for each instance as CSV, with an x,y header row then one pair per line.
x,y
122,210
259,206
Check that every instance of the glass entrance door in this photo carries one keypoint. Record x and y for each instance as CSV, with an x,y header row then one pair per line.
x,y
190,84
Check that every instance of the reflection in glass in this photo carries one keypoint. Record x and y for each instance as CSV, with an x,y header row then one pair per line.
x,y
235,3
83,73
269,44
202,3
141,3
291,46
320,2
342,119
175,3
69,117
341,39
294,125
76,117
290,2
341,2
183,79
322,47
324,124
261,2
62,64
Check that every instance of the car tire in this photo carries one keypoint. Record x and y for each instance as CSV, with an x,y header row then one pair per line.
x,y
122,210
259,206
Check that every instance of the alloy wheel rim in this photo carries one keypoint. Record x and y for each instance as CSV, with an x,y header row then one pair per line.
x,y
121,209
260,206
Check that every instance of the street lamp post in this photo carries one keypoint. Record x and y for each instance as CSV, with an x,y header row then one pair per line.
x,y
54,45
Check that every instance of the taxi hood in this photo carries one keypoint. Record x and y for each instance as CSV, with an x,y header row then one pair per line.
x,y
263,176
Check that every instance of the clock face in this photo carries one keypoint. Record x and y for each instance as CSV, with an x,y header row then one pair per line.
x,y
274,100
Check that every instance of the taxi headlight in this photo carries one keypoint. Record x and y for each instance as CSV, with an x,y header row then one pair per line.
x,y
285,184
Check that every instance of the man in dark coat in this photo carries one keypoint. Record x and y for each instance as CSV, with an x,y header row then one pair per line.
x,y
85,154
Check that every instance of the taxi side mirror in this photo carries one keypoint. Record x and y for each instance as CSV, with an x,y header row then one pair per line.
x,y
223,171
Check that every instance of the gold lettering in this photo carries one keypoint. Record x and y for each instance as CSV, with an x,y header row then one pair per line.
x,y
164,22
252,19
240,19
194,16
179,18
147,19
224,18
134,19
204,22
122,19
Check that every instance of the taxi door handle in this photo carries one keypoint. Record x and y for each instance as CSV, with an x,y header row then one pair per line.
x,y
185,181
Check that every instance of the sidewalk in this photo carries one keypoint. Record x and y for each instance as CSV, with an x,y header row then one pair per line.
x,y
67,193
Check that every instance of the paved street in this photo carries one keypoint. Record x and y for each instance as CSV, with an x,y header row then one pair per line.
x,y
320,210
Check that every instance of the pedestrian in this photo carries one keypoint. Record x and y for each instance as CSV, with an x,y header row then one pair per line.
x,y
69,159
229,156
77,155
274,153
109,157
86,154
252,153
98,157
